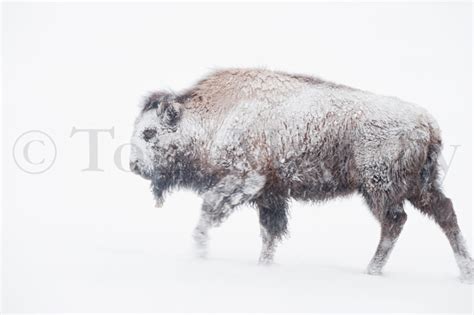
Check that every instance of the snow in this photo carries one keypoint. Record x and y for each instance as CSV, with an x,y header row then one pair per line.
x,y
141,259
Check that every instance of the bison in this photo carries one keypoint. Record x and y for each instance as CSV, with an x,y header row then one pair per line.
x,y
261,137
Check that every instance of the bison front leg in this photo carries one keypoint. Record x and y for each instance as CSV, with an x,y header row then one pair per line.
x,y
273,225
201,235
221,200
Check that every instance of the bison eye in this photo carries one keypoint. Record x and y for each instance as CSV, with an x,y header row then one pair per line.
x,y
148,134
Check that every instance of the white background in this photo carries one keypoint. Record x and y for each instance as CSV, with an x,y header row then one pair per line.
x,y
91,241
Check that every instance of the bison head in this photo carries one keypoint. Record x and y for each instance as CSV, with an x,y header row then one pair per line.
x,y
155,139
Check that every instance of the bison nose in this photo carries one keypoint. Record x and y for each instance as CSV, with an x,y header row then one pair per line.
x,y
134,167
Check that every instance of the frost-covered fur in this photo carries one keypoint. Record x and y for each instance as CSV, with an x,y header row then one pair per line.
x,y
263,137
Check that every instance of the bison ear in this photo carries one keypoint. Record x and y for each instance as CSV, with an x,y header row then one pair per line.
x,y
170,113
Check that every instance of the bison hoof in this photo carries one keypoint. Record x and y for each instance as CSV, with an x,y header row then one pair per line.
x,y
467,276
466,266
265,261
201,252
374,271
467,279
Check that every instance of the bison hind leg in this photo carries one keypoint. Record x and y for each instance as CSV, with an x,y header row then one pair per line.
x,y
436,205
428,197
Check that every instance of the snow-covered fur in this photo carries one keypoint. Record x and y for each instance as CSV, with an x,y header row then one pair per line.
x,y
263,137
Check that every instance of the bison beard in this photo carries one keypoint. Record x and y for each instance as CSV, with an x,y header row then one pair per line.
x,y
259,137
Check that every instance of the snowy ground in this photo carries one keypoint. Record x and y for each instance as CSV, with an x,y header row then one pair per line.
x,y
142,260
